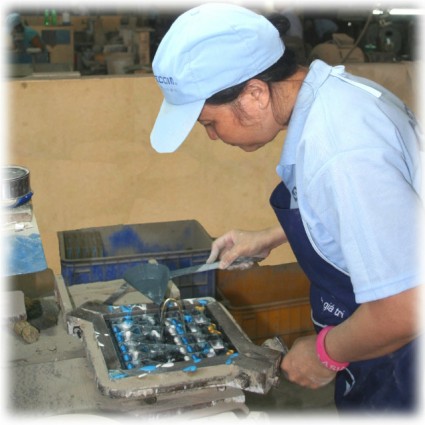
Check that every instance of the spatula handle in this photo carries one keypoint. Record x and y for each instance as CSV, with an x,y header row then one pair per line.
x,y
211,266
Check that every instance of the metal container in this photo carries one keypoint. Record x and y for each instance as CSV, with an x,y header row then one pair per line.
x,y
15,183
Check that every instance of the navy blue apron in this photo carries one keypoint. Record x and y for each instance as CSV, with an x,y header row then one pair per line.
x,y
382,384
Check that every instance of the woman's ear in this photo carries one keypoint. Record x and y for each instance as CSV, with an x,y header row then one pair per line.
x,y
258,91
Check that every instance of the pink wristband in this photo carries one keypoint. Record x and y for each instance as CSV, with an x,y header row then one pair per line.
x,y
323,355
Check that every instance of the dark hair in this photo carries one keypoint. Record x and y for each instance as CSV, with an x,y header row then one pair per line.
x,y
285,67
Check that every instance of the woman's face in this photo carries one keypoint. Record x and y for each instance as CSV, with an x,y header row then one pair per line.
x,y
251,131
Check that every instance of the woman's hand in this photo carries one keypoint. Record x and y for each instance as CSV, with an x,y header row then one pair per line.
x,y
302,366
241,243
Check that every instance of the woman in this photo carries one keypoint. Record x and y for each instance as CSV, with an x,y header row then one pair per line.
x,y
349,201
24,37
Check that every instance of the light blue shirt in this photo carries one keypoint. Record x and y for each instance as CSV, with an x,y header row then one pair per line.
x,y
351,160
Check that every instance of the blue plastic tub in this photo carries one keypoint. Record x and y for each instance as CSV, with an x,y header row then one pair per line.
x,y
100,254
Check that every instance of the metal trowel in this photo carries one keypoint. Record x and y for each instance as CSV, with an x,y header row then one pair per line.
x,y
152,279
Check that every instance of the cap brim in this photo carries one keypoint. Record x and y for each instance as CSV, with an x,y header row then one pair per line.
x,y
173,124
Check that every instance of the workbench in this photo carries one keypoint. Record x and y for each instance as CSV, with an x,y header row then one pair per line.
x,y
53,376
64,370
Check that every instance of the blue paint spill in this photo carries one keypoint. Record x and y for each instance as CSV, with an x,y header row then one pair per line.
x,y
24,254
116,374
148,368
190,369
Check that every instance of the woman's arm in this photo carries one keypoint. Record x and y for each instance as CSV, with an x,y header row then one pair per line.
x,y
375,329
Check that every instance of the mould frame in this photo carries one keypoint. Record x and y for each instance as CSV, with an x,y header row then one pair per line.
x,y
254,369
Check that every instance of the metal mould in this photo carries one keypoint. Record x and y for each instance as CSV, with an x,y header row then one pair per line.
x,y
197,345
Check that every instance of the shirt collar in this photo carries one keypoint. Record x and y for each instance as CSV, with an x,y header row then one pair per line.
x,y
317,74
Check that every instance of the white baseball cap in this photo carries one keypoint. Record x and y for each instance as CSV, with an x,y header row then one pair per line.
x,y
207,49
12,20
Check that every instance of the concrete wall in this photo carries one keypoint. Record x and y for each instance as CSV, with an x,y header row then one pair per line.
x,y
86,144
